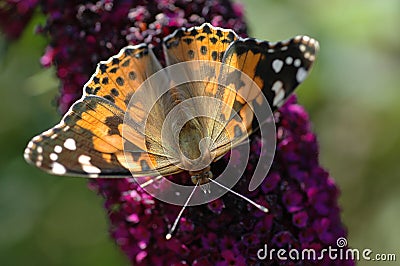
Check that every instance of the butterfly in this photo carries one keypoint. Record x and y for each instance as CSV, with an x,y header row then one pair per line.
x,y
107,134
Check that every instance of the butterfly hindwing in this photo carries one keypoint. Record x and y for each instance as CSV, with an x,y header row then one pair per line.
x,y
205,42
120,76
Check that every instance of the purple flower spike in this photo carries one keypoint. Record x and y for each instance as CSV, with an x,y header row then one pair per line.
x,y
301,196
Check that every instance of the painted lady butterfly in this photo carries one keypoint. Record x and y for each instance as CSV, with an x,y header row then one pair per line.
x,y
89,140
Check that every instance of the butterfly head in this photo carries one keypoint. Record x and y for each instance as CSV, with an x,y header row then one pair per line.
x,y
201,177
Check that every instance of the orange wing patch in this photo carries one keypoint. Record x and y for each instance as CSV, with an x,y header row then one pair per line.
x,y
119,77
198,43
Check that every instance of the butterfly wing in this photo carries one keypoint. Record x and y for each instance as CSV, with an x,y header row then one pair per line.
x,y
205,42
277,68
89,140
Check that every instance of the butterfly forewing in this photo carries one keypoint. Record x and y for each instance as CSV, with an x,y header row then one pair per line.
x,y
84,144
276,68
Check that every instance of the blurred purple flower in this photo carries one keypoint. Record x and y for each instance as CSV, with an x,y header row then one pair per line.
x,y
15,15
301,196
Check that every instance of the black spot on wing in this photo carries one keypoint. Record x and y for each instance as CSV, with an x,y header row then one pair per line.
x,y
126,63
89,90
194,32
129,52
203,50
231,36
120,81
114,91
214,55
115,61
207,29
132,75
191,54
103,68
113,122
110,98
188,40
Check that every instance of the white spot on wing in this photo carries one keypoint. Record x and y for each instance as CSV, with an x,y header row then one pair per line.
x,y
39,149
36,138
84,160
277,87
91,169
48,132
26,154
301,74
70,144
297,62
53,156
277,65
30,145
58,149
58,169
289,60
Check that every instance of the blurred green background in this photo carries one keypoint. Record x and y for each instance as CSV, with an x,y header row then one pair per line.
x,y
352,97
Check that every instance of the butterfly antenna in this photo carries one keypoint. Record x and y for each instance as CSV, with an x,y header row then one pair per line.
x,y
171,231
260,207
